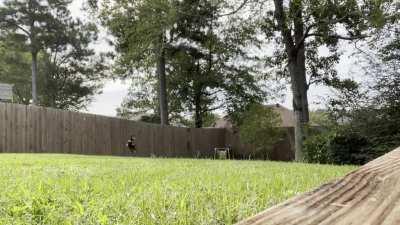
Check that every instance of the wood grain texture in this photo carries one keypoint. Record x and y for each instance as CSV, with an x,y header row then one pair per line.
x,y
368,195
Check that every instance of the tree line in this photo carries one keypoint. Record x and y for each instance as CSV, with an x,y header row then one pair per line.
x,y
192,57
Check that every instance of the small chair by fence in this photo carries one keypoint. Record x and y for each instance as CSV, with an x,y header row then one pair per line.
x,y
222,153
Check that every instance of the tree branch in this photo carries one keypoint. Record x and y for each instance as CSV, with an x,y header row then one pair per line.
x,y
327,20
313,81
337,36
211,93
212,109
12,23
371,59
236,10
306,34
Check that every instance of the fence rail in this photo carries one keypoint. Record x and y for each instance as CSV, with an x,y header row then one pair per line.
x,y
45,130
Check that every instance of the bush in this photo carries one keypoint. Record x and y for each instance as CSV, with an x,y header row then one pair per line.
x,y
260,128
350,148
316,148
338,147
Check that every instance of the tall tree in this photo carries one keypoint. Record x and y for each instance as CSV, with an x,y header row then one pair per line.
x,y
69,71
209,67
43,23
15,67
143,31
304,26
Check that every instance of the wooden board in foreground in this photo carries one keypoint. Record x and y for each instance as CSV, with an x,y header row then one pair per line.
x,y
368,195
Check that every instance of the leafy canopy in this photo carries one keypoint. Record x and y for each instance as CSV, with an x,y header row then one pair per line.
x,y
69,70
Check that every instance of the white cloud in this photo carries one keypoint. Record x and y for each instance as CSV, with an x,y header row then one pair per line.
x,y
111,98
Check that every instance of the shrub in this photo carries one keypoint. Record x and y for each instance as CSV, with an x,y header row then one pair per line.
x,y
316,148
260,128
338,147
350,148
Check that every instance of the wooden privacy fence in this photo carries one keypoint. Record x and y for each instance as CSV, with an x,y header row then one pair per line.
x,y
38,129
369,195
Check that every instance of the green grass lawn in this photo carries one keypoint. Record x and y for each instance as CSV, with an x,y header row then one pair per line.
x,y
71,189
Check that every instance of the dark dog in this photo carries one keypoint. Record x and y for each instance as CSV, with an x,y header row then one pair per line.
x,y
131,144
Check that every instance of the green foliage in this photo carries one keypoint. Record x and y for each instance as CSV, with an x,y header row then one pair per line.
x,y
208,120
137,26
349,147
69,71
312,25
40,22
15,67
66,85
320,118
317,148
342,146
300,29
203,76
260,128
152,118
368,116
200,49
71,189
142,33
364,134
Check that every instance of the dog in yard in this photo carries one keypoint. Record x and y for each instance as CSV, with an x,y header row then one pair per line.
x,y
131,144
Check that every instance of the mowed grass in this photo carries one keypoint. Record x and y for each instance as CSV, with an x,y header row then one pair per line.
x,y
71,189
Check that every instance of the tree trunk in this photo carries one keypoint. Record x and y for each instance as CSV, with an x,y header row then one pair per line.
x,y
163,102
299,82
198,117
297,72
34,78
300,62
295,50
198,108
300,108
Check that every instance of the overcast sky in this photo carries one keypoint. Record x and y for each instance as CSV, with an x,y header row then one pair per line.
x,y
114,91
